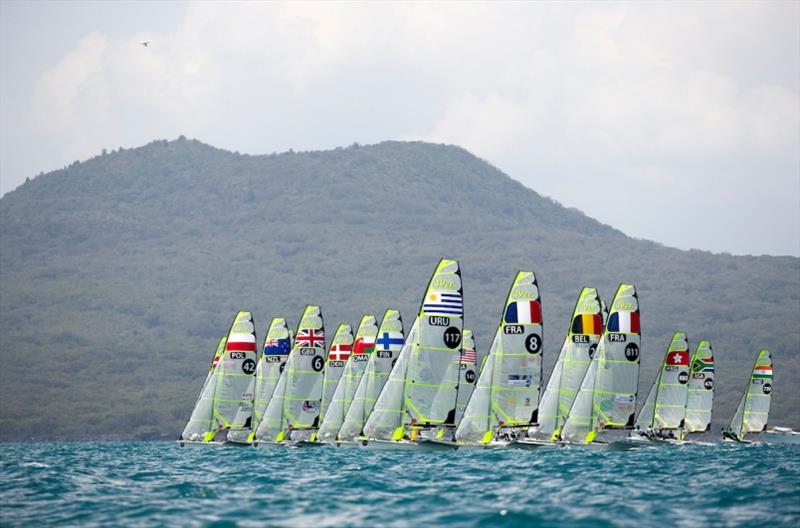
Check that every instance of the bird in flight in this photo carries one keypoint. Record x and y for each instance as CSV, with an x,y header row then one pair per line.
x,y
145,43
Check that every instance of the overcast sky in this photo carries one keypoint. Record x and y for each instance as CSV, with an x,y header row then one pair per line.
x,y
674,122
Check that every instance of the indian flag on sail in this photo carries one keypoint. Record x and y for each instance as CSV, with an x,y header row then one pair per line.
x,y
763,372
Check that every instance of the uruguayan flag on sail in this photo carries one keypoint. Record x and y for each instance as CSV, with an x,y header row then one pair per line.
x,y
443,303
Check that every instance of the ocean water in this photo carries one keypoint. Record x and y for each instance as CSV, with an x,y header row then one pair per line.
x,y
159,483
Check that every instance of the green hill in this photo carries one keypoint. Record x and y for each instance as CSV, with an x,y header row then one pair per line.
x,y
119,274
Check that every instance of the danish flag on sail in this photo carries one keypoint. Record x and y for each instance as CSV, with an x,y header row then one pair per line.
x,y
340,352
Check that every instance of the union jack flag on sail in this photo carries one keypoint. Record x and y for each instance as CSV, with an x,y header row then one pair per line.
x,y
310,338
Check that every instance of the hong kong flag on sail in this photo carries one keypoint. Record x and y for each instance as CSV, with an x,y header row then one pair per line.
x,y
679,357
364,345
340,352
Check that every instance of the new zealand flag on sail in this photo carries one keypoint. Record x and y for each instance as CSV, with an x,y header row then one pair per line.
x,y
277,347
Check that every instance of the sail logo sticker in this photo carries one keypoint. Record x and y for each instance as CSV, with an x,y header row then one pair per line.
x,y
469,376
520,380
336,363
438,321
307,351
767,388
617,338
683,378
514,329
708,384
384,354
592,350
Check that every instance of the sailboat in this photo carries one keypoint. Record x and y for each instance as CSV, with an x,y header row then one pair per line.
x,y
752,414
420,395
468,374
277,344
293,411
700,400
663,414
216,411
363,347
604,408
388,345
338,354
506,399
585,330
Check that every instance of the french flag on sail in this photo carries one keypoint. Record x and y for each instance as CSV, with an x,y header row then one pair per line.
x,y
624,322
520,312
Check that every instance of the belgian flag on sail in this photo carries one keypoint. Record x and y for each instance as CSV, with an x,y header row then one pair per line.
x,y
587,324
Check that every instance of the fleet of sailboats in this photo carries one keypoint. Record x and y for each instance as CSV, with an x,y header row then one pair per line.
x,y
382,388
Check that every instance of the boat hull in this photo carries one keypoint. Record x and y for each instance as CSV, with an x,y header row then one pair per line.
x,y
406,445
530,443
195,443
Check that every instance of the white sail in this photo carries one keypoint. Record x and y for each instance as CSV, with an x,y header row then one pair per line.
x,y
513,379
295,404
576,353
700,399
432,380
468,375
478,423
346,388
665,406
607,397
277,344
387,416
752,414
338,354
201,423
231,405
388,345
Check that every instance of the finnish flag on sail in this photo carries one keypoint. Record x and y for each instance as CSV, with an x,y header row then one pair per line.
x,y
443,303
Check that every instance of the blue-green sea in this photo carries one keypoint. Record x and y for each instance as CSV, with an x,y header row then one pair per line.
x,y
159,483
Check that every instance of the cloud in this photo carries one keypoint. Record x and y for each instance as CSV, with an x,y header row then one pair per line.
x,y
561,96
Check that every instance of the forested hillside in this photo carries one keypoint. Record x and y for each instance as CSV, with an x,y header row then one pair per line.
x,y
119,274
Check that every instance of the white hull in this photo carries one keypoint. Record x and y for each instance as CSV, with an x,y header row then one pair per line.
x,y
196,443
532,443
406,445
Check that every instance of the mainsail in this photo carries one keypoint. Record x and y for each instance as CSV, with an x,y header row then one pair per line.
x,y
387,416
468,373
753,411
338,354
576,353
277,344
388,345
607,396
433,369
701,390
200,422
507,395
363,347
231,383
295,404
665,406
